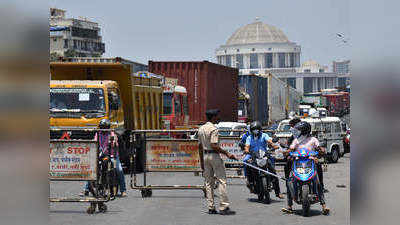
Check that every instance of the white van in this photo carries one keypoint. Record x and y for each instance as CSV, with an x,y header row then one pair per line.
x,y
328,130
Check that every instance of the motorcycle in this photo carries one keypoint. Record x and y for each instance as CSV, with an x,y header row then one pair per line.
x,y
303,184
260,183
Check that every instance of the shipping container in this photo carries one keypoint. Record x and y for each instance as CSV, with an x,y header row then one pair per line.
x,y
256,87
208,86
270,98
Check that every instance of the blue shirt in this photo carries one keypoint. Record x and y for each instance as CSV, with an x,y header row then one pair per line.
x,y
258,143
244,137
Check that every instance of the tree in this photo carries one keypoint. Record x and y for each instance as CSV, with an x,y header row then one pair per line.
x,y
70,53
54,56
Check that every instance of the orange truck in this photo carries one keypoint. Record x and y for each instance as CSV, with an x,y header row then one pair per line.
x,y
83,91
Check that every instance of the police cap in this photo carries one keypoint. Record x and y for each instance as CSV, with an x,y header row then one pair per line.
x,y
212,112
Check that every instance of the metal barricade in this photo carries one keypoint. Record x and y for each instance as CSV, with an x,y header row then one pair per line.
x,y
77,160
165,155
231,145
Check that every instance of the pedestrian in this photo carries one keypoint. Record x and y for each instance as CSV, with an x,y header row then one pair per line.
x,y
213,164
103,138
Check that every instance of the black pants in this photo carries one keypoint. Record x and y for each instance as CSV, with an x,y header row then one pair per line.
x,y
275,180
320,175
287,168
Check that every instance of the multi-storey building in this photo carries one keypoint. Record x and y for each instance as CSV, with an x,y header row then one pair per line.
x,y
74,37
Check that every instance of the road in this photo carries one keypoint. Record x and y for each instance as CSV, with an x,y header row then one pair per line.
x,y
188,207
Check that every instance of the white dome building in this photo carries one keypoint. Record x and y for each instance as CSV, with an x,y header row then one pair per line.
x,y
259,48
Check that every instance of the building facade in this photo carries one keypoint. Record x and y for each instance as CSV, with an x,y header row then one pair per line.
x,y
341,67
259,48
74,37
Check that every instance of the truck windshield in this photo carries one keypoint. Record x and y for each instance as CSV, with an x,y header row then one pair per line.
x,y
167,102
76,100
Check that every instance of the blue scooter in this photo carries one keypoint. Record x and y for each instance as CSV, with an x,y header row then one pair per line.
x,y
303,183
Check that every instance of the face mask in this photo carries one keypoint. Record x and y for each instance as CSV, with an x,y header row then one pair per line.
x,y
256,132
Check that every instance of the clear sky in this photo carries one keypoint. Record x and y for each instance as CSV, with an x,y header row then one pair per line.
x,y
192,30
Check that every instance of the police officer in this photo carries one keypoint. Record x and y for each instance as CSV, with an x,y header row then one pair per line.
x,y
213,164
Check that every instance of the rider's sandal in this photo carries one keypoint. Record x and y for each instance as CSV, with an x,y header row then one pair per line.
x,y
287,210
325,211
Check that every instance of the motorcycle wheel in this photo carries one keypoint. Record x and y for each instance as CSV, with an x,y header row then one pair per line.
x,y
260,190
267,197
305,200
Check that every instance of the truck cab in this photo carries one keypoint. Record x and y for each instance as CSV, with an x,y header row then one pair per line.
x,y
82,104
304,110
175,108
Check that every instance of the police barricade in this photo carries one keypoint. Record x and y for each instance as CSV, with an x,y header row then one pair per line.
x,y
231,145
77,160
165,155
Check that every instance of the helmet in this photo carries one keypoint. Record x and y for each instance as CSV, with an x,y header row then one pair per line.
x,y
303,127
256,125
104,124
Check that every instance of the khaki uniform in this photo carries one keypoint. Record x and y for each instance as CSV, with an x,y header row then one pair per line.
x,y
213,166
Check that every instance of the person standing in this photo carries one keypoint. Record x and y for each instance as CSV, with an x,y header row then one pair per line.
x,y
213,164
110,149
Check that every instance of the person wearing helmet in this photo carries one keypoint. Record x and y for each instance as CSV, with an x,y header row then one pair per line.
x,y
257,140
243,138
303,139
288,165
103,138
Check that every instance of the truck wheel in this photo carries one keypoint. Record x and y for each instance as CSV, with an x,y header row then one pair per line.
x,y
305,201
334,156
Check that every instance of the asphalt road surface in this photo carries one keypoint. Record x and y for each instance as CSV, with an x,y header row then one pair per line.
x,y
188,207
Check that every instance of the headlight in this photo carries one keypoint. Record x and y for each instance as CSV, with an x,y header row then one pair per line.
x,y
302,170
283,141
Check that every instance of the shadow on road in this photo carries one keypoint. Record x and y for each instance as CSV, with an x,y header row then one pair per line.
x,y
255,200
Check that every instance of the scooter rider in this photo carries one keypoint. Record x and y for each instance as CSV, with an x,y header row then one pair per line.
x,y
260,141
288,165
243,138
303,139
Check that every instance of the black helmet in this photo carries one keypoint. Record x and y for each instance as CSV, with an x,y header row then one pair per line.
x,y
303,127
104,124
256,125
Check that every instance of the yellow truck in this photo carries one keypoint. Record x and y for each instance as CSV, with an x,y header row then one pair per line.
x,y
84,91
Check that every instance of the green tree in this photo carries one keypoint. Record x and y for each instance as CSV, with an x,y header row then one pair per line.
x,y
70,53
54,56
